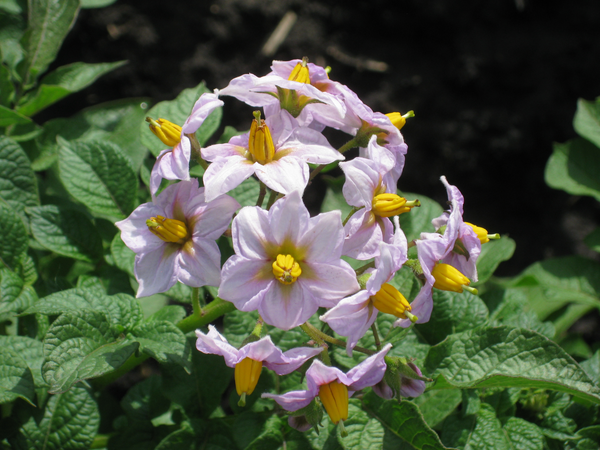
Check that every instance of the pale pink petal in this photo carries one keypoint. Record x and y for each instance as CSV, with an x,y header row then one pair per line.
x,y
364,243
284,175
324,237
199,263
244,282
211,219
215,344
155,270
319,374
328,282
214,152
292,401
370,371
135,232
292,359
249,231
225,174
288,218
205,105
362,180
287,306
421,306
260,350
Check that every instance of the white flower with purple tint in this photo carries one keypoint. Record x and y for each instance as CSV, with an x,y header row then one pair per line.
x,y
175,238
277,150
286,264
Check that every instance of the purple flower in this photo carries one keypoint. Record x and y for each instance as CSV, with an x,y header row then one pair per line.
x,y
174,163
280,160
334,386
287,264
174,238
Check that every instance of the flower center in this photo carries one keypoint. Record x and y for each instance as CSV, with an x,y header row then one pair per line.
x,y
167,132
387,205
300,72
260,144
448,278
169,230
334,397
286,269
247,373
389,300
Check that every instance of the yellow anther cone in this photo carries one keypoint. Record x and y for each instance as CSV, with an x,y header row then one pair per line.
x,y
334,397
389,300
167,132
286,269
388,205
247,373
448,278
300,73
260,144
169,230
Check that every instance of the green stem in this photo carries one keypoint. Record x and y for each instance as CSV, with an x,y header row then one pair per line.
x,y
261,194
258,327
325,337
348,145
212,311
273,196
354,210
376,336
362,269
314,334
197,308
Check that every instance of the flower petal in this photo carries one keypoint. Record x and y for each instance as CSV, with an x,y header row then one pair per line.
x,y
215,344
225,174
329,282
251,233
244,282
288,306
284,175
155,270
288,218
199,263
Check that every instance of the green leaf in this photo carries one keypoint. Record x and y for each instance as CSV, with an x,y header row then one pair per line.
x,y
177,111
454,313
122,309
10,117
573,167
7,89
98,175
557,283
15,297
17,181
237,325
81,345
88,4
492,254
114,122
247,192
70,421
11,7
31,351
523,435
587,120
123,257
48,24
170,313
511,307
481,431
592,240
437,405
66,232
403,420
16,380
62,82
506,357
145,400
419,219
163,341
13,244
334,198
12,27
592,366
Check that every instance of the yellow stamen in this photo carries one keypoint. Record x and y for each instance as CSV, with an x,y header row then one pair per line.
x,y
167,132
286,270
300,72
169,230
389,300
387,205
482,233
448,278
399,120
247,373
334,397
260,144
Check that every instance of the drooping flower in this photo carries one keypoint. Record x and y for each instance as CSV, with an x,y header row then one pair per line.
x,y
365,188
334,387
174,238
277,150
249,360
287,264
174,163
354,315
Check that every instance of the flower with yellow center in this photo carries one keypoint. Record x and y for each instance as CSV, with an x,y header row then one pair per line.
x,y
286,263
250,359
174,238
333,386
277,150
173,163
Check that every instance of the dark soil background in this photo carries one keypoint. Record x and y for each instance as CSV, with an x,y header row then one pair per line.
x,y
493,83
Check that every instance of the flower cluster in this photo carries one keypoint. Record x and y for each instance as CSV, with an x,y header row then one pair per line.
x,y
287,265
